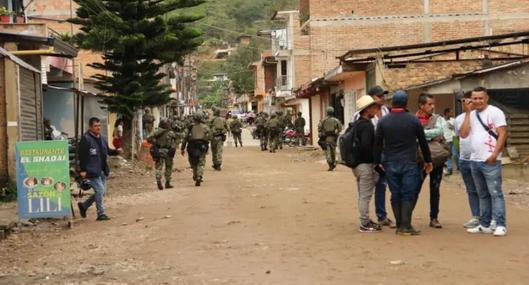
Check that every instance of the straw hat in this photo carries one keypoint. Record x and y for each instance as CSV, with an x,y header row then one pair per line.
x,y
364,102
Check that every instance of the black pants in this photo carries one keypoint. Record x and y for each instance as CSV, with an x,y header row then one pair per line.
x,y
435,184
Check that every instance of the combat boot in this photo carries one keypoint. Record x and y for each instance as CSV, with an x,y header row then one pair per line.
x,y
198,181
168,184
159,183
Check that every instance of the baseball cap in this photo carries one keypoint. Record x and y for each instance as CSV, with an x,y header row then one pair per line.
x,y
400,97
377,91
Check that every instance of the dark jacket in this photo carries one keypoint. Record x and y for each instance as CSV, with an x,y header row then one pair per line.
x,y
93,153
397,136
365,132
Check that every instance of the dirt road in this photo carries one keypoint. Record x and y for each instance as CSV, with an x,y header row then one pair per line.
x,y
265,219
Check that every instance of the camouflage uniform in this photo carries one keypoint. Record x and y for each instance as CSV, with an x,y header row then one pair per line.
x,y
280,136
299,126
260,123
236,130
219,128
178,127
330,127
163,140
196,141
273,127
148,121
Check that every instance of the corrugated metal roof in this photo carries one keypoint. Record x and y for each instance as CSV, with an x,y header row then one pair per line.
x,y
17,60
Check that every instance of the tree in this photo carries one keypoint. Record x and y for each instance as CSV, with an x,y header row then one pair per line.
x,y
237,66
136,38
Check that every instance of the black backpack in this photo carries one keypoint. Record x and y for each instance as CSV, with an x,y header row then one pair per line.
x,y
349,145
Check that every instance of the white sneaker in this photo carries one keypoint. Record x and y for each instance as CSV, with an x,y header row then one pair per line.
x,y
480,230
472,223
500,231
493,225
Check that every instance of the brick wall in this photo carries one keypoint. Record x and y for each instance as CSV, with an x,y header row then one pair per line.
x,y
333,29
335,8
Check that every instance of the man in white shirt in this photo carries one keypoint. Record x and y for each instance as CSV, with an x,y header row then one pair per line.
x,y
487,129
465,151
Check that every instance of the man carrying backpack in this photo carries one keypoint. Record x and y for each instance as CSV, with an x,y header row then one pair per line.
x,y
236,130
330,128
364,135
273,127
260,124
219,129
163,150
299,125
196,142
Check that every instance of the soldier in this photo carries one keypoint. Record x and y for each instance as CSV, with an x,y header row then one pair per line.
x,y
219,128
280,136
178,127
148,121
330,128
260,124
196,140
163,151
274,131
236,130
299,126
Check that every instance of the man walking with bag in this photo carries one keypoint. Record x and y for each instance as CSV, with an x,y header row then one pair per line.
x,y
219,128
196,142
93,152
163,150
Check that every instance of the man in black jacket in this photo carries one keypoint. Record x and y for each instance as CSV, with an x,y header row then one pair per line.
x,y
93,152
396,141
364,171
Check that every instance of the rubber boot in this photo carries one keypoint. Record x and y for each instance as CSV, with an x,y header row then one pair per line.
x,y
168,185
406,214
397,211
159,183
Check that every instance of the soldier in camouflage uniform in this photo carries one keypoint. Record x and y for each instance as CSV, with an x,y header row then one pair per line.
x,y
299,126
330,128
281,120
260,124
178,127
196,140
148,121
236,130
273,127
219,128
163,151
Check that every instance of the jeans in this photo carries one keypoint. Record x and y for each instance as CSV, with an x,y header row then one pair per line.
x,y
380,198
455,154
99,185
435,184
487,179
365,179
403,178
473,198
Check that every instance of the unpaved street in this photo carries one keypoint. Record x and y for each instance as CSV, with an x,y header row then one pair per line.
x,y
265,219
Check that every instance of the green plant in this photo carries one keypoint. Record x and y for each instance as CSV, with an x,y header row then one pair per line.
x,y
4,11
8,192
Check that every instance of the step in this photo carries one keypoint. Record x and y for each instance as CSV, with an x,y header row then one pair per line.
x,y
518,122
518,134
518,116
515,141
518,129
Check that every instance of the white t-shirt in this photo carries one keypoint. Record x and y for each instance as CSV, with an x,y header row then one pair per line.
x,y
465,147
383,110
483,144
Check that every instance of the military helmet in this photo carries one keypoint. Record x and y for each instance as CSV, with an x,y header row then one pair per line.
x,y
164,124
197,117
330,110
216,111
